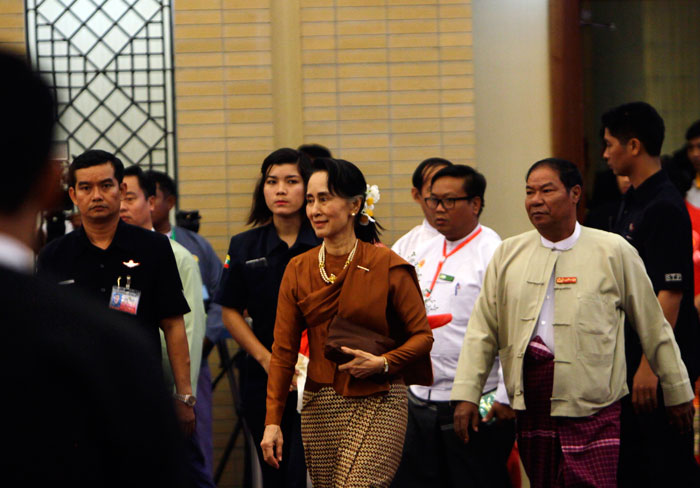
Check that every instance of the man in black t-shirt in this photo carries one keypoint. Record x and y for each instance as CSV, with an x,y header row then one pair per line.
x,y
654,219
127,268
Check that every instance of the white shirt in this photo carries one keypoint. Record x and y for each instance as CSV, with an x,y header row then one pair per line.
x,y
693,195
15,254
544,327
409,242
455,292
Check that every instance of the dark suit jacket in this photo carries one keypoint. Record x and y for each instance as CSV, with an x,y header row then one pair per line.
x,y
83,404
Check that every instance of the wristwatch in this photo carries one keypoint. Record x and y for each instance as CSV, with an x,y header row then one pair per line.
x,y
187,399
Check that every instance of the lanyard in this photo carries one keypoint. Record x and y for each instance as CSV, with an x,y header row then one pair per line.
x,y
445,256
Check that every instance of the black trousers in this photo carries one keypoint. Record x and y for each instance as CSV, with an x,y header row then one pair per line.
x,y
434,456
292,471
652,452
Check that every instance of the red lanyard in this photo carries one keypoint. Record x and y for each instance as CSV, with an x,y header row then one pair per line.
x,y
445,256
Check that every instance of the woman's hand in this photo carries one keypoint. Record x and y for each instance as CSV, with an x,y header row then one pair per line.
x,y
271,445
364,364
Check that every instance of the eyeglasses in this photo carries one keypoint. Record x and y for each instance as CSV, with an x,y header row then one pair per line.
x,y
447,203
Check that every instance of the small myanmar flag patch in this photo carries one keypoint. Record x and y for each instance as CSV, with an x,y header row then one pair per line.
x,y
227,261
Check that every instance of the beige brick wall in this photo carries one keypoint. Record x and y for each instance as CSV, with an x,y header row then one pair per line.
x,y
388,86
224,117
382,86
12,35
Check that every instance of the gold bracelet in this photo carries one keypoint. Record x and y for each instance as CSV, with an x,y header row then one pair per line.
x,y
386,365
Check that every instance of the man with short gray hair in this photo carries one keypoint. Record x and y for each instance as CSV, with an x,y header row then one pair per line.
x,y
553,307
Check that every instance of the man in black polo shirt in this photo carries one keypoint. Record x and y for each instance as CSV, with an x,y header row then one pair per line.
x,y
654,219
125,267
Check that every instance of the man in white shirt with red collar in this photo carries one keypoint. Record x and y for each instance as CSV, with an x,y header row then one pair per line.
x,y
450,269
422,176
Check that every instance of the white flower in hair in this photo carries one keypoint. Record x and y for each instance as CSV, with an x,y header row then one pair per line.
x,y
372,196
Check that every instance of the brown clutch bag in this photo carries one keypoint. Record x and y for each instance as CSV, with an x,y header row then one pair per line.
x,y
342,332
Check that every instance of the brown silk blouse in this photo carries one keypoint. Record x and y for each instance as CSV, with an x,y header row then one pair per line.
x,y
386,299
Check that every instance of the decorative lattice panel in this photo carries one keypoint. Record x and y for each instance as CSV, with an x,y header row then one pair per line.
x,y
110,62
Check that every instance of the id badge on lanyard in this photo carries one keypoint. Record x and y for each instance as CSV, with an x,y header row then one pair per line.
x,y
125,299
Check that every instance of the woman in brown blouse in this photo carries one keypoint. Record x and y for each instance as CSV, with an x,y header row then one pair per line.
x,y
354,414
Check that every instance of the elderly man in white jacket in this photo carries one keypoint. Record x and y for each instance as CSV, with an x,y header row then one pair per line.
x,y
553,307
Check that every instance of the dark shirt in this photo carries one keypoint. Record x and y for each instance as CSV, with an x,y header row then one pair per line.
x,y
252,275
654,219
603,216
88,405
143,255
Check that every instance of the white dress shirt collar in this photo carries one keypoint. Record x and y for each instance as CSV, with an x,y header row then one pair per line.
x,y
565,244
15,254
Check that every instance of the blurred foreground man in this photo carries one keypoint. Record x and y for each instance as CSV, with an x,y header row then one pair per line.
x,y
553,306
88,406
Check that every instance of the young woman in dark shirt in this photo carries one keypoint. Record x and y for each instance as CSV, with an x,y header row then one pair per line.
x,y
250,283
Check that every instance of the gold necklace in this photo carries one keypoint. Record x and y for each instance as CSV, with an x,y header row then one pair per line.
x,y
322,262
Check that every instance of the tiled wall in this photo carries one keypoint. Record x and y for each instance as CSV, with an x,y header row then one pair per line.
x,y
12,25
224,108
671,43
386,85
383,84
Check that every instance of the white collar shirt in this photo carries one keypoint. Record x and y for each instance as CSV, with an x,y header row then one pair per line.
x,y
15,254
455,292
544,327
693,195
407,245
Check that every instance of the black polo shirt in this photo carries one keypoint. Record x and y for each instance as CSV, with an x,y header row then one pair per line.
x,y
654,219
252,275
144,256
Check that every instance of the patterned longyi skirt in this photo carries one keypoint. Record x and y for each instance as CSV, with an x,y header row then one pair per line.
x,y
353,442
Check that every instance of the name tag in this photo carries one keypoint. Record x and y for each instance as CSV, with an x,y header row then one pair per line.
x,y
125,300
257,263
446,277
566,280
